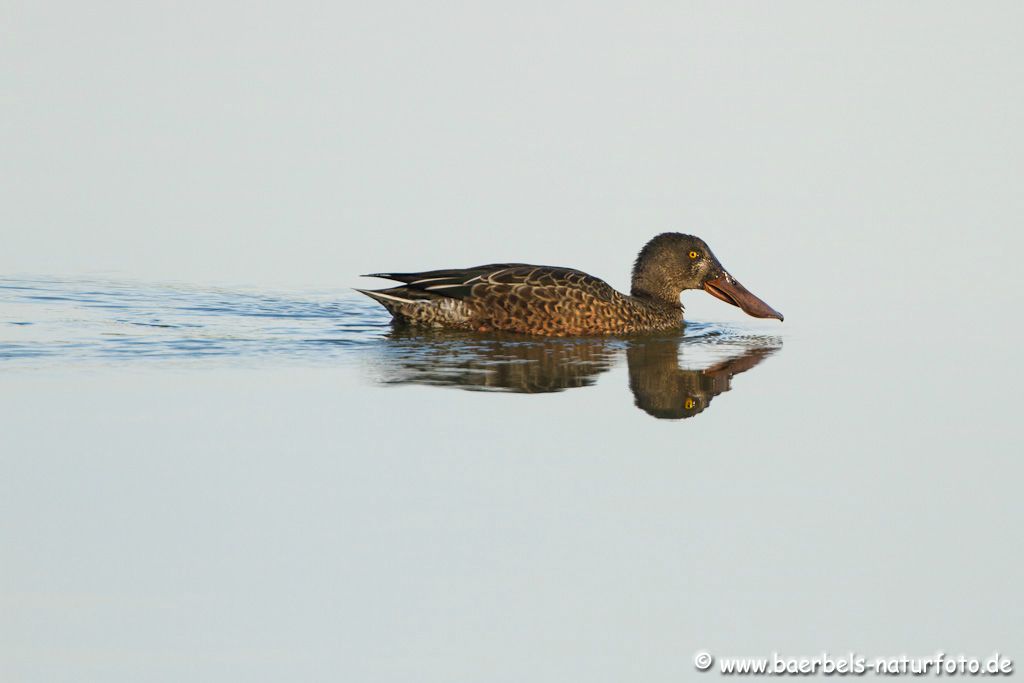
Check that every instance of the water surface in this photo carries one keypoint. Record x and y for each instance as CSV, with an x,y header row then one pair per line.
x,y
228,484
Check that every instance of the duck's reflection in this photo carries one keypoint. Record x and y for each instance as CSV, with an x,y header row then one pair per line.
x,y
492,362
660,386
663,389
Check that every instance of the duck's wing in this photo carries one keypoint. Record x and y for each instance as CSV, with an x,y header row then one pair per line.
x,y
428,278
499,279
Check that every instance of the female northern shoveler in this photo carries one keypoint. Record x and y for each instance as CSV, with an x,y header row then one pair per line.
x,y
547,300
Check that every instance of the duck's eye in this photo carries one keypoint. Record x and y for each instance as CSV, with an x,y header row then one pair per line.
x,y
689,404
694,254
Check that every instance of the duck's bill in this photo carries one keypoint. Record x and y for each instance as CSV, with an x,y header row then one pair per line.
x,y
732,292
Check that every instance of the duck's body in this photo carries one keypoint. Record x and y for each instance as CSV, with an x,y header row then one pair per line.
x,y
554,301
517,297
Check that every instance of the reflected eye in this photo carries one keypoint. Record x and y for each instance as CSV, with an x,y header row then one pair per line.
x,y
689,403
694,254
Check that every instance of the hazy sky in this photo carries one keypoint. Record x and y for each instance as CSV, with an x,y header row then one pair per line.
x,y
820,148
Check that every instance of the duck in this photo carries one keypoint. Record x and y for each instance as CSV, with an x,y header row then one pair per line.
x,y
558,302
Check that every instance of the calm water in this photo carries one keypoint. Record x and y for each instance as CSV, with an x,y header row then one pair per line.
x,y
206,484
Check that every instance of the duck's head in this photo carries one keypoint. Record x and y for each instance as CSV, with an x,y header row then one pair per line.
x,y
672,262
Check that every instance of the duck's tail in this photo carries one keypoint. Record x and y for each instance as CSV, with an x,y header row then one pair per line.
x,y
417,307
396,299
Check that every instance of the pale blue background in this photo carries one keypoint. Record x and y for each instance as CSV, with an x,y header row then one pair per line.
x,y
858,165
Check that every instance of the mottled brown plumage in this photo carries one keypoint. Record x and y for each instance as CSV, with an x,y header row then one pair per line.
x,y
555,301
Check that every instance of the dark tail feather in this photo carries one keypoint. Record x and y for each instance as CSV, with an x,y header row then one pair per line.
x,y
396,297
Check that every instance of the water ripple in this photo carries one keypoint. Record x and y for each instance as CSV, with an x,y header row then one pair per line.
x,y
49,320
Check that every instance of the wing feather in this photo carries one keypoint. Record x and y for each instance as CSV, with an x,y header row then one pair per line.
x,y
546,282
